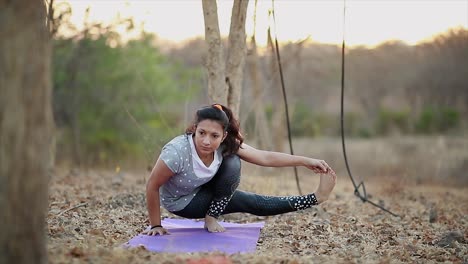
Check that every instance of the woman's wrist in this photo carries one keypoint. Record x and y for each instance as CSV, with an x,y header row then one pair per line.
x,y
304,161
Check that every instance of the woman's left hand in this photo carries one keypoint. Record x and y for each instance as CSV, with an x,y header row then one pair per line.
x,y
319,166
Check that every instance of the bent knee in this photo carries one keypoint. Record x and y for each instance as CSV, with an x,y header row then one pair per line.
x,y
231,163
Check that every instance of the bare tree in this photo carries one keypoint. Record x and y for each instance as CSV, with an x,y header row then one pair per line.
x,y
225,76
25,130
236,54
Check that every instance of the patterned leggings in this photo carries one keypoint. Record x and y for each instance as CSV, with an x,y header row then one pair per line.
x,y
219,196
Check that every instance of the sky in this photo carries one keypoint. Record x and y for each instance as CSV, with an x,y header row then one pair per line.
x,y
368,22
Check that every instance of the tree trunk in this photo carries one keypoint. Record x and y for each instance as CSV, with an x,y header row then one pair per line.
x,y
225,79
236,54
25,130
262,133
217,89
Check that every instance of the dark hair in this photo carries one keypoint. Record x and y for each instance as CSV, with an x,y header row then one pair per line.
x,y
223,115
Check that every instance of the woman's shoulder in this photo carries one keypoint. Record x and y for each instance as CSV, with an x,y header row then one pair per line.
x,y
179,142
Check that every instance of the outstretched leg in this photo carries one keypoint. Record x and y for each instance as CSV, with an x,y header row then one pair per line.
x,y
262,205
220,196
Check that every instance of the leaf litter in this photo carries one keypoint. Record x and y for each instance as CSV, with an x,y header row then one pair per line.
x,y
90,217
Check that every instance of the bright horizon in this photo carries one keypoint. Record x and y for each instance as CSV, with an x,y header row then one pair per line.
x,y
367,22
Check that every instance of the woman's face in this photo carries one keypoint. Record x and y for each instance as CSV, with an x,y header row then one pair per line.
x,y
208,136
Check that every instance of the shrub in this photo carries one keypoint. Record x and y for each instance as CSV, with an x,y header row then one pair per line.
x,y
389,121
437,120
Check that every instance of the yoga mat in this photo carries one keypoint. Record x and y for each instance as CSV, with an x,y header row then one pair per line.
x,y
189,236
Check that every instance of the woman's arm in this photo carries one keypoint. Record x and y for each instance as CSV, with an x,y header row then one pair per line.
x,y
278,159
160,175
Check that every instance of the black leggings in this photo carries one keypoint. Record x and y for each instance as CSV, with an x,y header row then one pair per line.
x,y
219,196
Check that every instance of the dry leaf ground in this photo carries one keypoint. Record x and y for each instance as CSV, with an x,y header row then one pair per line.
x,y
92,212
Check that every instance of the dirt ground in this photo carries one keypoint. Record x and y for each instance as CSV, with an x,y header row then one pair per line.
x,y
91,213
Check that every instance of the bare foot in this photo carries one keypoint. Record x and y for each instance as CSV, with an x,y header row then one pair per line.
x,y
212,225
327,182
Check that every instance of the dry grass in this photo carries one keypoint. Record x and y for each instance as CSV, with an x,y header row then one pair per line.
x,y
91,213
436,159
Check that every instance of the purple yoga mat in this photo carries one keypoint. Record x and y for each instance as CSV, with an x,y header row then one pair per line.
x,y
190,236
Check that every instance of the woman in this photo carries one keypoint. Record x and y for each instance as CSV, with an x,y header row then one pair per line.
x,y
197,174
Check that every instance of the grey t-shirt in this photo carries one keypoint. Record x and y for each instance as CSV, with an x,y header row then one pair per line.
x,y
180,189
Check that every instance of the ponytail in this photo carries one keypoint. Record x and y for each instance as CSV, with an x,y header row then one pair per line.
x,y
234,138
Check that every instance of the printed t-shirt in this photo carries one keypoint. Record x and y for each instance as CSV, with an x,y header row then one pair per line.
x,y
180,189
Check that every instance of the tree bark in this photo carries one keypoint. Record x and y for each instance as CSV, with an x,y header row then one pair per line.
x,y
217,89
236,54
262,133
25,130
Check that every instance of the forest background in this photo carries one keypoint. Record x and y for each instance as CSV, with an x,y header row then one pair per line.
x,y
116,101
108,103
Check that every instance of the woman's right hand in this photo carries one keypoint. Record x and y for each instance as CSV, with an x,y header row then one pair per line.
x,y
156,231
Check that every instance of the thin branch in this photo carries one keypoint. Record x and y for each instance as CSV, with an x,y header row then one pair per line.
x,y
72,208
